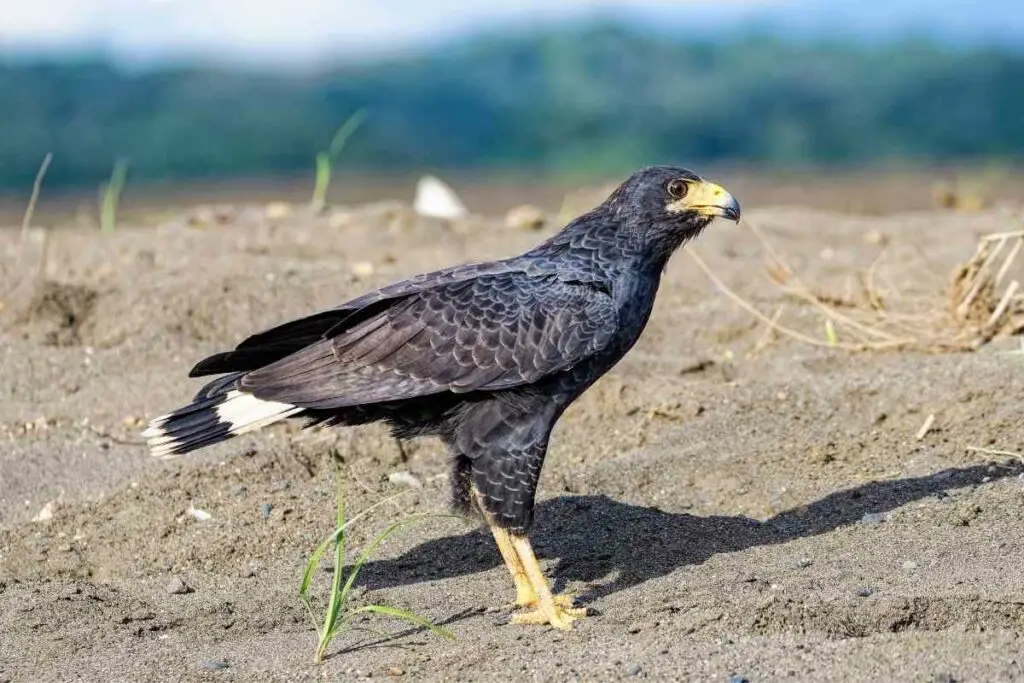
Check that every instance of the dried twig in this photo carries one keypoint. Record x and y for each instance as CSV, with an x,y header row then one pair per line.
x,y
767,337
876,301
1008,262
978,314
926,427
26,225
34,198
745,305
992,451
802,291
977,278
1004,303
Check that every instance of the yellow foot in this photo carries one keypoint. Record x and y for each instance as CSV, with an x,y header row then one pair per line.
x,y
527,600
557,615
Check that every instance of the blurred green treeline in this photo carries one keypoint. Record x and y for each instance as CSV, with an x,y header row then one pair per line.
x,y
596,99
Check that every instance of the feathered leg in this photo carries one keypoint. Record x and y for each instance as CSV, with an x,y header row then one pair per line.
x,y
504,451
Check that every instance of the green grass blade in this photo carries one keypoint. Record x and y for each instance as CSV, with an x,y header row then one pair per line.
x,y
336,617
339,504
830,333
368,550
112,196
312,615
342,526
337,599
323,180
325,159
346,130
311,565
407,616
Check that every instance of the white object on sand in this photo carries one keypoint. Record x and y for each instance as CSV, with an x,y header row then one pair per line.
x,y
46,514
405,479
201,515
436,199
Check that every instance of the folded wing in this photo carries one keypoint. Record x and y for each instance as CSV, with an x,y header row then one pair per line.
x,y
283,340
492,332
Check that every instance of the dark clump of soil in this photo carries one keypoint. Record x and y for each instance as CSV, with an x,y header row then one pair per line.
x,y
57,312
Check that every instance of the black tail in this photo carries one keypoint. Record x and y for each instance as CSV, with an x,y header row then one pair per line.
x,y
218,413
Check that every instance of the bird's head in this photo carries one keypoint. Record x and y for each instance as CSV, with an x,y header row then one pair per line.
x,y
662,207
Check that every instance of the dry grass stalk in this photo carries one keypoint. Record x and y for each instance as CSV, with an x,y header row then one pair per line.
x,y
993,451
926,427
977,302
773,324
768,336
981,308
26,222
26,226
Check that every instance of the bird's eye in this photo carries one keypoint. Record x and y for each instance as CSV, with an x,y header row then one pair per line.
x,y
677,188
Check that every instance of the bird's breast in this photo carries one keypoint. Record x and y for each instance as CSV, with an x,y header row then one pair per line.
x,y
634,299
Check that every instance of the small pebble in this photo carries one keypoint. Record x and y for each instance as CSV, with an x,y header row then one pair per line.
x,y
405,479
395,671
736,678
265,509
215,664
875,237
863,592
363,269
278,210
633,629
874,518
910,565
525,217
201,515
804,563
239,491
633,669
46,514
944,678
177,587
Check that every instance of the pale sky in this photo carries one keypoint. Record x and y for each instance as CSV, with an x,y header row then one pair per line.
x,y
297,31
300,29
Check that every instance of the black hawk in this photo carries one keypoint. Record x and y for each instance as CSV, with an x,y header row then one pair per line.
x,y
486,356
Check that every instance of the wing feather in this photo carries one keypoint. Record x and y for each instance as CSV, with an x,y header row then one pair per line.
x,y
276,343
494,332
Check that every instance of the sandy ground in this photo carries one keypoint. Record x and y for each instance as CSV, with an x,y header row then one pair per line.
x,y
730,506
874,191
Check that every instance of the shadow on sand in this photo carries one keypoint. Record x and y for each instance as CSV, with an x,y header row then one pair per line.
x,y
594,537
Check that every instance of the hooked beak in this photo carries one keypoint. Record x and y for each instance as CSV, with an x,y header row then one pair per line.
x,y
708,199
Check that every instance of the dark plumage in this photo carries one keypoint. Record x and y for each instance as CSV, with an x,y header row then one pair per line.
x,y
486,356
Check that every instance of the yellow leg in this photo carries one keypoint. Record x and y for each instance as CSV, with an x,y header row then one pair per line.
x,y
525,596
549,609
